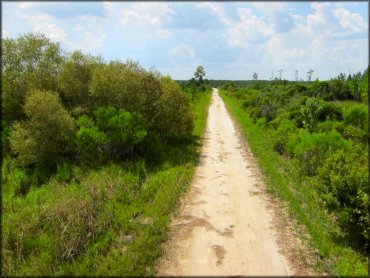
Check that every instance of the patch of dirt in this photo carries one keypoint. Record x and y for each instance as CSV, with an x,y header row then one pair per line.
x,y
220,253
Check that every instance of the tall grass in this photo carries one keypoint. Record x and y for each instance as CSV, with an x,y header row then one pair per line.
x,y
283,181
107,221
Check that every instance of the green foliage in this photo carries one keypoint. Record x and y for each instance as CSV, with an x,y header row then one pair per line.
x,y
110,86
46,134
310,113
5,131
311,149
112,134
284,132
74,80
328,126
344,183
175,117
330,111
164,107
363,86
29,62
90,141
124,129
358,116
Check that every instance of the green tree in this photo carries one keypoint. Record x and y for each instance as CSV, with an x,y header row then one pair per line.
x,y
175,116
199,74
29,62
159,100
74,80
46,134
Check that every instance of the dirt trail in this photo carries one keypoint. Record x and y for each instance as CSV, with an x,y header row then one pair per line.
x,y
224,227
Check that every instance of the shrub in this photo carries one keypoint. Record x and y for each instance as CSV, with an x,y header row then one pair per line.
x,y
356,134
175,117
285,130
330,111
90,141
279,119
165,108
255,113
344,182
74,79
311,149
30,62
113,134
331,125
310,113
46,134
358,116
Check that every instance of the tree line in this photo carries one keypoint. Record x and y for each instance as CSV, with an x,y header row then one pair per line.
x,y
59,105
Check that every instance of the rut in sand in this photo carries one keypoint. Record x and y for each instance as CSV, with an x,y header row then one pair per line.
x,y
224,227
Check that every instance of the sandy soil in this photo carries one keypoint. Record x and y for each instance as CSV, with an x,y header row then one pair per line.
x,y
225,226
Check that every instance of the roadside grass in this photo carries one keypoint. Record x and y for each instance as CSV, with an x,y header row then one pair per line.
x,y
284,182
107,221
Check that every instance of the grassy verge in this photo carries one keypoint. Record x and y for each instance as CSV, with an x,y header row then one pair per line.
x,y
283,181
107,221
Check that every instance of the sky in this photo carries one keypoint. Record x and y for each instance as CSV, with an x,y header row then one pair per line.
x,y
231,40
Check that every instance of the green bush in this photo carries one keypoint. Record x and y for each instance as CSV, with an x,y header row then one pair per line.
x,y
5,131
46,134
310,112
112,134
90,141
30,62
358,116
175,118
164,107
280,118
355,134
74,80
329,126
311,149
344,183
331,112
285,130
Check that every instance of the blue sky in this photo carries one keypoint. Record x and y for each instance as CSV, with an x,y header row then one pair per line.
x,y
230,39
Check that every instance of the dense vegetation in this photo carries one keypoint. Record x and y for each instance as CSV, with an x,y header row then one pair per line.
x,y
311,139
95,155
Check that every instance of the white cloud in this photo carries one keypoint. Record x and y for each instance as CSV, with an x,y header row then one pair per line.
x,y
52,31
182,54
337,23
78,28
249,30
25,5
270,7
147,16
108,6
352,22
93,42
217,9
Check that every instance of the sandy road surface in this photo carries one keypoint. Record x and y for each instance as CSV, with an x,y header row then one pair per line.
x,y
224,227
